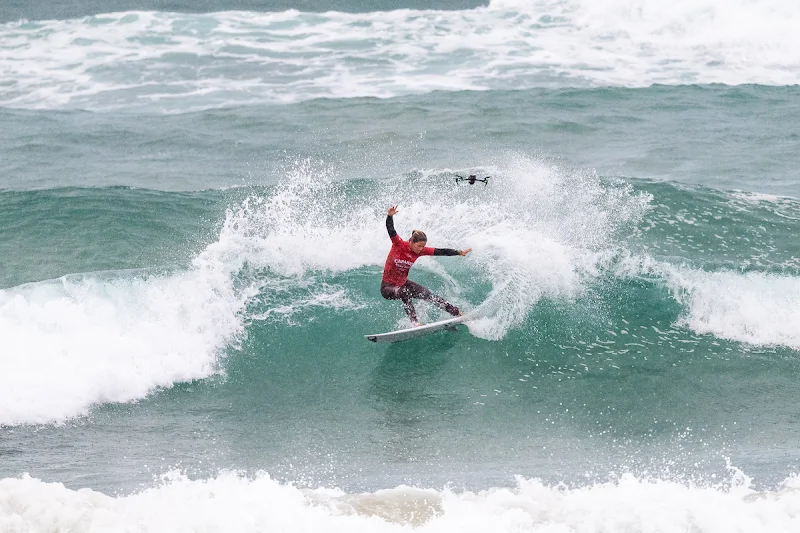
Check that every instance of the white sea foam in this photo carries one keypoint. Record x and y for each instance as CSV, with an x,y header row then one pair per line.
x,y
760,197
177,62
231,502
757,308
87,339
754,307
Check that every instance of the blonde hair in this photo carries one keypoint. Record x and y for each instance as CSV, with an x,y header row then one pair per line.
x,y
418,236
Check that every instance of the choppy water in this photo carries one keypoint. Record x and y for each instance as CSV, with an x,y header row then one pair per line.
x,y
191,227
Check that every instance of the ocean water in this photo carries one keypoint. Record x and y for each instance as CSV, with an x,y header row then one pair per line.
x,y
192,204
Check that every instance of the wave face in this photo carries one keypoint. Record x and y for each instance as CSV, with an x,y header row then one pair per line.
x,y
177,62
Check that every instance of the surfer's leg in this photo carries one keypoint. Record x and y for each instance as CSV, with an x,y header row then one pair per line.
x,y
420,292
393,292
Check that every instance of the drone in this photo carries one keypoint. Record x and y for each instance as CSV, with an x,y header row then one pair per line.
x,y
472,179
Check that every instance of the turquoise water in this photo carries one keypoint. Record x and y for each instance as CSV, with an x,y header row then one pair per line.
x,y
192,209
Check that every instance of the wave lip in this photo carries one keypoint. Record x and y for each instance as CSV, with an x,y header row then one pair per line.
x,y
178,62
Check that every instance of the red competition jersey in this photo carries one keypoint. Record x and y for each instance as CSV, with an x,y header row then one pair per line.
x,y
399,261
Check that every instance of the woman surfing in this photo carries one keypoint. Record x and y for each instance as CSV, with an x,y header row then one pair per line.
x,y
395,284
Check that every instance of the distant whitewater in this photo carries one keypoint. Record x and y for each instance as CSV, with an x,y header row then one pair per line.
x,y
179,62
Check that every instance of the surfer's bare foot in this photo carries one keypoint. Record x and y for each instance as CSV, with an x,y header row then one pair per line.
x,y
416,324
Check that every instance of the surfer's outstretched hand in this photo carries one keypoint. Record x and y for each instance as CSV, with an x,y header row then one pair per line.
x,y
465,252
393,211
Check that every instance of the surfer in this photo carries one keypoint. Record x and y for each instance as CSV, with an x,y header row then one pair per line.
x,y
395,284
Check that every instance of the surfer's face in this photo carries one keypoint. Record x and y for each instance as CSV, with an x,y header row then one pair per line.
x,y
417,247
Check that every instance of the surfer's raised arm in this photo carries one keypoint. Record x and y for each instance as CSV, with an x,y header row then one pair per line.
x,y
390,222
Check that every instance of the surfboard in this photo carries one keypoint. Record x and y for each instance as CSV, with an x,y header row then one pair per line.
x,y
410,333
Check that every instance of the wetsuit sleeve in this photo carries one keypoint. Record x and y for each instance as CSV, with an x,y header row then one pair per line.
x,y
390,229
445,251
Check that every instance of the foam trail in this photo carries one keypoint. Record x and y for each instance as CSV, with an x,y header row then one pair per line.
x,y
178,62
232,502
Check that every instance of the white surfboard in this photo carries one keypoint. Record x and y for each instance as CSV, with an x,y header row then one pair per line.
x,y
410,333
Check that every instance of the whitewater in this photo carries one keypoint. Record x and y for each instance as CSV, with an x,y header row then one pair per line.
x,y
176,62
192,227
